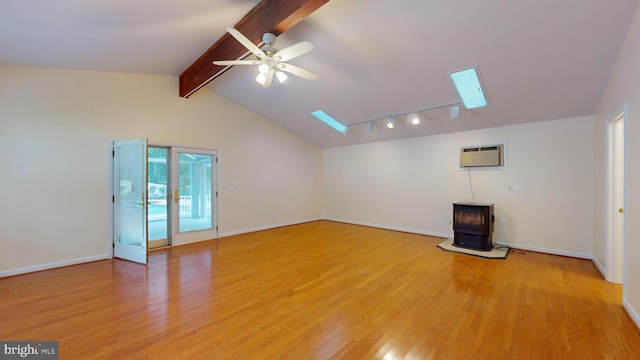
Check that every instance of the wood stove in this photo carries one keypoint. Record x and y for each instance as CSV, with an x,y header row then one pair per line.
x,y
473,226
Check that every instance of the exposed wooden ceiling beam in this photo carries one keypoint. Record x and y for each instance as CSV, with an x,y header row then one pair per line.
x,y
274,16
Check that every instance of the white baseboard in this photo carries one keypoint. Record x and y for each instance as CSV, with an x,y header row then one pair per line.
x,y
49,266
395,228
547,251
450,235
599,267
266,227
633,314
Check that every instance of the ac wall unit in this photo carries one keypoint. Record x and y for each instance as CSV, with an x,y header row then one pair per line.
x,y
490,155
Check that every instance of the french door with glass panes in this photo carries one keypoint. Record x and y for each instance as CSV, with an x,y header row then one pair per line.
x,y
129,200
193,195
163,195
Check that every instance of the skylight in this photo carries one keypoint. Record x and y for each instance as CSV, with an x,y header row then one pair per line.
x,y
327,119
468,85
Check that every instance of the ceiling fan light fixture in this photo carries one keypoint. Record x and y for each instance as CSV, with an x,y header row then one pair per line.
x,y
282,77
264,68
270,60
261,78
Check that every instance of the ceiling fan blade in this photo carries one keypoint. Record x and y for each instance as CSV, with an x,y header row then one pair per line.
x,y
294,51
246,42
236,62
297,71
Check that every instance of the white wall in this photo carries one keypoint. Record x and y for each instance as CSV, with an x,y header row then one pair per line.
x,y
623,87
55,132
410,184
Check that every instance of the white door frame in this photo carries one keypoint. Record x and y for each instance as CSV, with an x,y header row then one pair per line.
x,y
615,229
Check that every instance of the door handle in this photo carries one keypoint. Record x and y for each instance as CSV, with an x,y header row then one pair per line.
x,y
176,196
141,203
621,210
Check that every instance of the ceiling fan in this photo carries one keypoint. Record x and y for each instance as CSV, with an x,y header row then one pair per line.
x,y
271,60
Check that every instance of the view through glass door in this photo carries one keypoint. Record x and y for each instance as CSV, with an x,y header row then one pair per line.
x,y
194,195
158,188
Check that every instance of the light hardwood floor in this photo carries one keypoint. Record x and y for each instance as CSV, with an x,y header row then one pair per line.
x,y
322,290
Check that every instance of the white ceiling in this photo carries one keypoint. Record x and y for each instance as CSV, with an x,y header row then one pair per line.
x,y
539,59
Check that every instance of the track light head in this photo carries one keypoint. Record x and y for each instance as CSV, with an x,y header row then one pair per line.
x,y
455,109
370,126
391,122
414,119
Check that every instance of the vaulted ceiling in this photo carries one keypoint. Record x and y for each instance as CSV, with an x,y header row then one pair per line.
x,y
539,59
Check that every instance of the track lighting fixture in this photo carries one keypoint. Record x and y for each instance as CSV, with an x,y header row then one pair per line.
x,y
413,117
468,85
370,126
391,122
455,109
